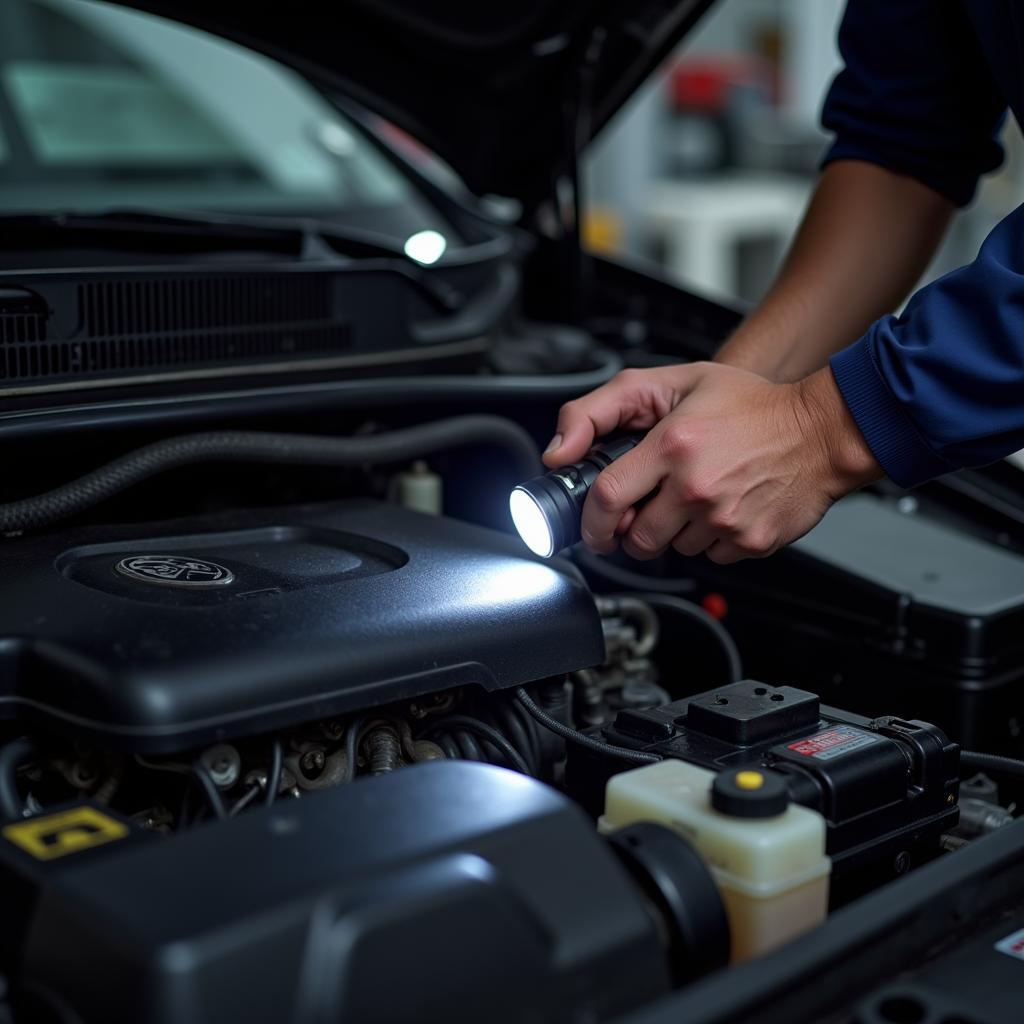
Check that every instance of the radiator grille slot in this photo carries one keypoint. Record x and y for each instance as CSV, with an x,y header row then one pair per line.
x,y
174,304
141,326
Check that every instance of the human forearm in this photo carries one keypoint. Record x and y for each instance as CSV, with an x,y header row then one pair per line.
x,y
731,464
866,238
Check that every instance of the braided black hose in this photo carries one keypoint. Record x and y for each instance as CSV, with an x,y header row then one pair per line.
x,y
256,446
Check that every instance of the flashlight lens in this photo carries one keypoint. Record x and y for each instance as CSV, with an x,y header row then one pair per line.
x,y
531,522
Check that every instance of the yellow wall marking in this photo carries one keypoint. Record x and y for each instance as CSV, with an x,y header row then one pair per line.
x,y
57,835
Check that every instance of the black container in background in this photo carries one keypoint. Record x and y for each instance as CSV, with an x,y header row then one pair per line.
x,y
881,612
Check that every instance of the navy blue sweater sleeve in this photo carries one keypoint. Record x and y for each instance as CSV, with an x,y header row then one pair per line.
x,y
942,386
915,94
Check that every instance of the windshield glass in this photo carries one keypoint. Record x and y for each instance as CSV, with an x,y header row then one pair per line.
x,y
102,107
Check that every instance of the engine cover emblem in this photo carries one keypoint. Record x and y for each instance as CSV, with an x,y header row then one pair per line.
x,y
174,571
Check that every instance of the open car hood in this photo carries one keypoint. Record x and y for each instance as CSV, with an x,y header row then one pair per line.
x,y
502,91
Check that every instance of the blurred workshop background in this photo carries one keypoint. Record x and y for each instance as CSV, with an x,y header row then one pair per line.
x,y
706,172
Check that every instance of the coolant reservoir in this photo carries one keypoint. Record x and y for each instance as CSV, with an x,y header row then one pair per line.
x,y
767,856
420,489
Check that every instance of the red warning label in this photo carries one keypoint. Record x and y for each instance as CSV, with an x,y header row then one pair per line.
x,y
833,742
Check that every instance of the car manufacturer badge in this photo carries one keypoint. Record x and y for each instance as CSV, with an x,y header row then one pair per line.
x,y
174,571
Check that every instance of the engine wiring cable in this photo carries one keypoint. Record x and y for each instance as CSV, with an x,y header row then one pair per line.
x,y
991,764
244,800
485,732
261,446
694,612
209,788
174,767
274,775
352,747
11,756
580,739
623,577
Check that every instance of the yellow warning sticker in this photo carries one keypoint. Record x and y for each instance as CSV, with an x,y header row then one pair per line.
x,y
57,835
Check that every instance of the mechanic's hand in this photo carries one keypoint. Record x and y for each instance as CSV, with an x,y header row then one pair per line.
x,y
741,465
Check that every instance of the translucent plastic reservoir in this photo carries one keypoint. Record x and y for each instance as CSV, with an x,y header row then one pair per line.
x,y
772,872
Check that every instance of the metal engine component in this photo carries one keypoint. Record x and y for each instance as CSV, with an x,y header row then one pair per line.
x,y
316,768
628,677
223,763
383,750
979,817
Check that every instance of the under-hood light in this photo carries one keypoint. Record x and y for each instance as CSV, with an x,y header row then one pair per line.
x,y
426,246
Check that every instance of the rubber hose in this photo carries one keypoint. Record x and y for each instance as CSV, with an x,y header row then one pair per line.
x,y
995,764
513,728
623,577
210,790
274,775
255,446
471,750
451,751
349,394
11,755
466,724
695,613
352,738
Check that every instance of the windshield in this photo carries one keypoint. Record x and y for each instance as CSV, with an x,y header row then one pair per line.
x,y
102,107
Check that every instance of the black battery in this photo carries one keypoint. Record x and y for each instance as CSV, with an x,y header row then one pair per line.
x,y
883,608
887,787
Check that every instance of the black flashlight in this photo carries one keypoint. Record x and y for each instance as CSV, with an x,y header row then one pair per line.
x,y
547,509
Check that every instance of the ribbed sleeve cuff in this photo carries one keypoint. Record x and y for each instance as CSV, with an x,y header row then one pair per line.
x,y
889,432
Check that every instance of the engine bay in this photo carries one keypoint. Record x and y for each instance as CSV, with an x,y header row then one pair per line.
x,y
310,745
293,725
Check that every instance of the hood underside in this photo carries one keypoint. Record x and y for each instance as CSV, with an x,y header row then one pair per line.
x,y
504,92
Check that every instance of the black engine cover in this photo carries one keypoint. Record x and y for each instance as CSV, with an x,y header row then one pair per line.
x,y
163,636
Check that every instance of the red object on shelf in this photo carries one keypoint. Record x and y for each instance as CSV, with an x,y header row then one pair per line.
x,y
703,84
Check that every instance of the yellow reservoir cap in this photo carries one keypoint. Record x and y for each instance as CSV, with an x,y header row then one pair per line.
x,y
749,780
